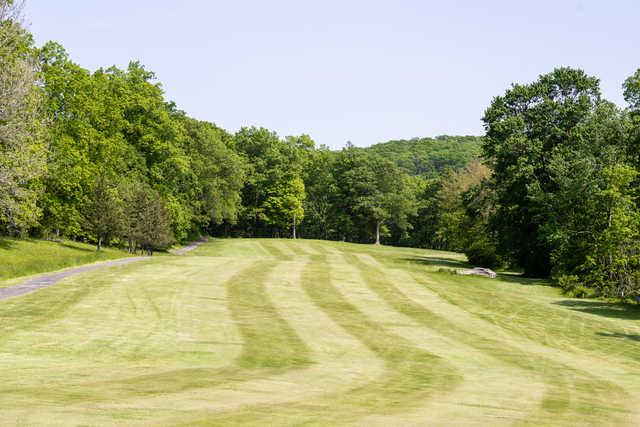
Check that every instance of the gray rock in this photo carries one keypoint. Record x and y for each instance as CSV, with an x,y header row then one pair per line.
x,y
478,271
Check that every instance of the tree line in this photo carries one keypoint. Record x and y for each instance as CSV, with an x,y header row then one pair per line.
x,y
102,156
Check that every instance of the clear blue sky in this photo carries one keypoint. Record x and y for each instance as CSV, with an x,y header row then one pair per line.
x,y
365,71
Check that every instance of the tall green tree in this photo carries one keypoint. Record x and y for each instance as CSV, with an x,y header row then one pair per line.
x,y
524,127
372,194
22,146
104,211
449,230
219,172
274,189
320,191
284,205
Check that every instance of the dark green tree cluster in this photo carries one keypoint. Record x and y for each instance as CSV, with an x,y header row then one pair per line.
x,y
431,157
102,156
294,189
356,195
562,197
113,128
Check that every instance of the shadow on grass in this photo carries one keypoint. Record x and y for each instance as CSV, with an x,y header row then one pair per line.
x,y
519,279
6,243
603,308
435,261
620,335
77,247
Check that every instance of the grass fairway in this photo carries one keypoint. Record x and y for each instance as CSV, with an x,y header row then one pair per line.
x,y
281,332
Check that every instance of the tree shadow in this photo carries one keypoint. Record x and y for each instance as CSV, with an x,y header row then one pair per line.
x,y
6,243
434,261
520,279
620,335
77,248
603,308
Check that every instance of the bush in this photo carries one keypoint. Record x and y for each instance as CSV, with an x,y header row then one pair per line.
x,y
483,253
572,286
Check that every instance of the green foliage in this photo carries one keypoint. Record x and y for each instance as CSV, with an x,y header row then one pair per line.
x,y
430,157
321,192
524,127
22,146
632,91
284,203
565,178
104,212
371,193
274,192
450,232
146,223
573,286
219,171
118,121
479,240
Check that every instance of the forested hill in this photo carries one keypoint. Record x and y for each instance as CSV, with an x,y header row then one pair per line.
x,y
430,156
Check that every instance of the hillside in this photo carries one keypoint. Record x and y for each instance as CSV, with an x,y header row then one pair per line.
x,y
282,332
430,156
21,257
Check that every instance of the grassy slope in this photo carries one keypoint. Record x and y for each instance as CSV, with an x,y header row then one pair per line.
x,y
280,332
22,257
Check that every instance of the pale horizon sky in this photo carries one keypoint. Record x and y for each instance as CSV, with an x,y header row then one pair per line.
x,y
364,71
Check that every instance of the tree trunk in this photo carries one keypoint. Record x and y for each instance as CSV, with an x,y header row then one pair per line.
x,y
378,232
99,244
294,226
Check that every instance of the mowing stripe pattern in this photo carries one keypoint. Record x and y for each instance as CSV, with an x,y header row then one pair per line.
x,y
282,332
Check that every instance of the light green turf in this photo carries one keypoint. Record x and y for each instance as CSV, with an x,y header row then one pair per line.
x,y
23,257
281,332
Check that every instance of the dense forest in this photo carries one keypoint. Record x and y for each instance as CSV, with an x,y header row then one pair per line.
x,y
430,157
101,156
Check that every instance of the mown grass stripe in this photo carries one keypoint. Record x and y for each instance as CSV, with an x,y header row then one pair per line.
x,y
570,393
269,340
411,374
270,347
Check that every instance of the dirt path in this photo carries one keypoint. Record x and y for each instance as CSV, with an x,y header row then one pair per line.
x,y
191,246
47,279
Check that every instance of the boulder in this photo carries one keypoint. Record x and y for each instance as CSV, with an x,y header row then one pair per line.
x,y
478,271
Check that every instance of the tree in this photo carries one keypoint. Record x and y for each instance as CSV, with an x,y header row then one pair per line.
x,y
22,147
219,172
273,190
320,189
449,230
146,221
632,96
631,91
372,192
478,239
104,213
613,264
523,128
430,157
153,223
284,205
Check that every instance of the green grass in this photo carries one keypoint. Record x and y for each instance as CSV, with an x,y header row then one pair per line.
x,y
23,257
281,332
